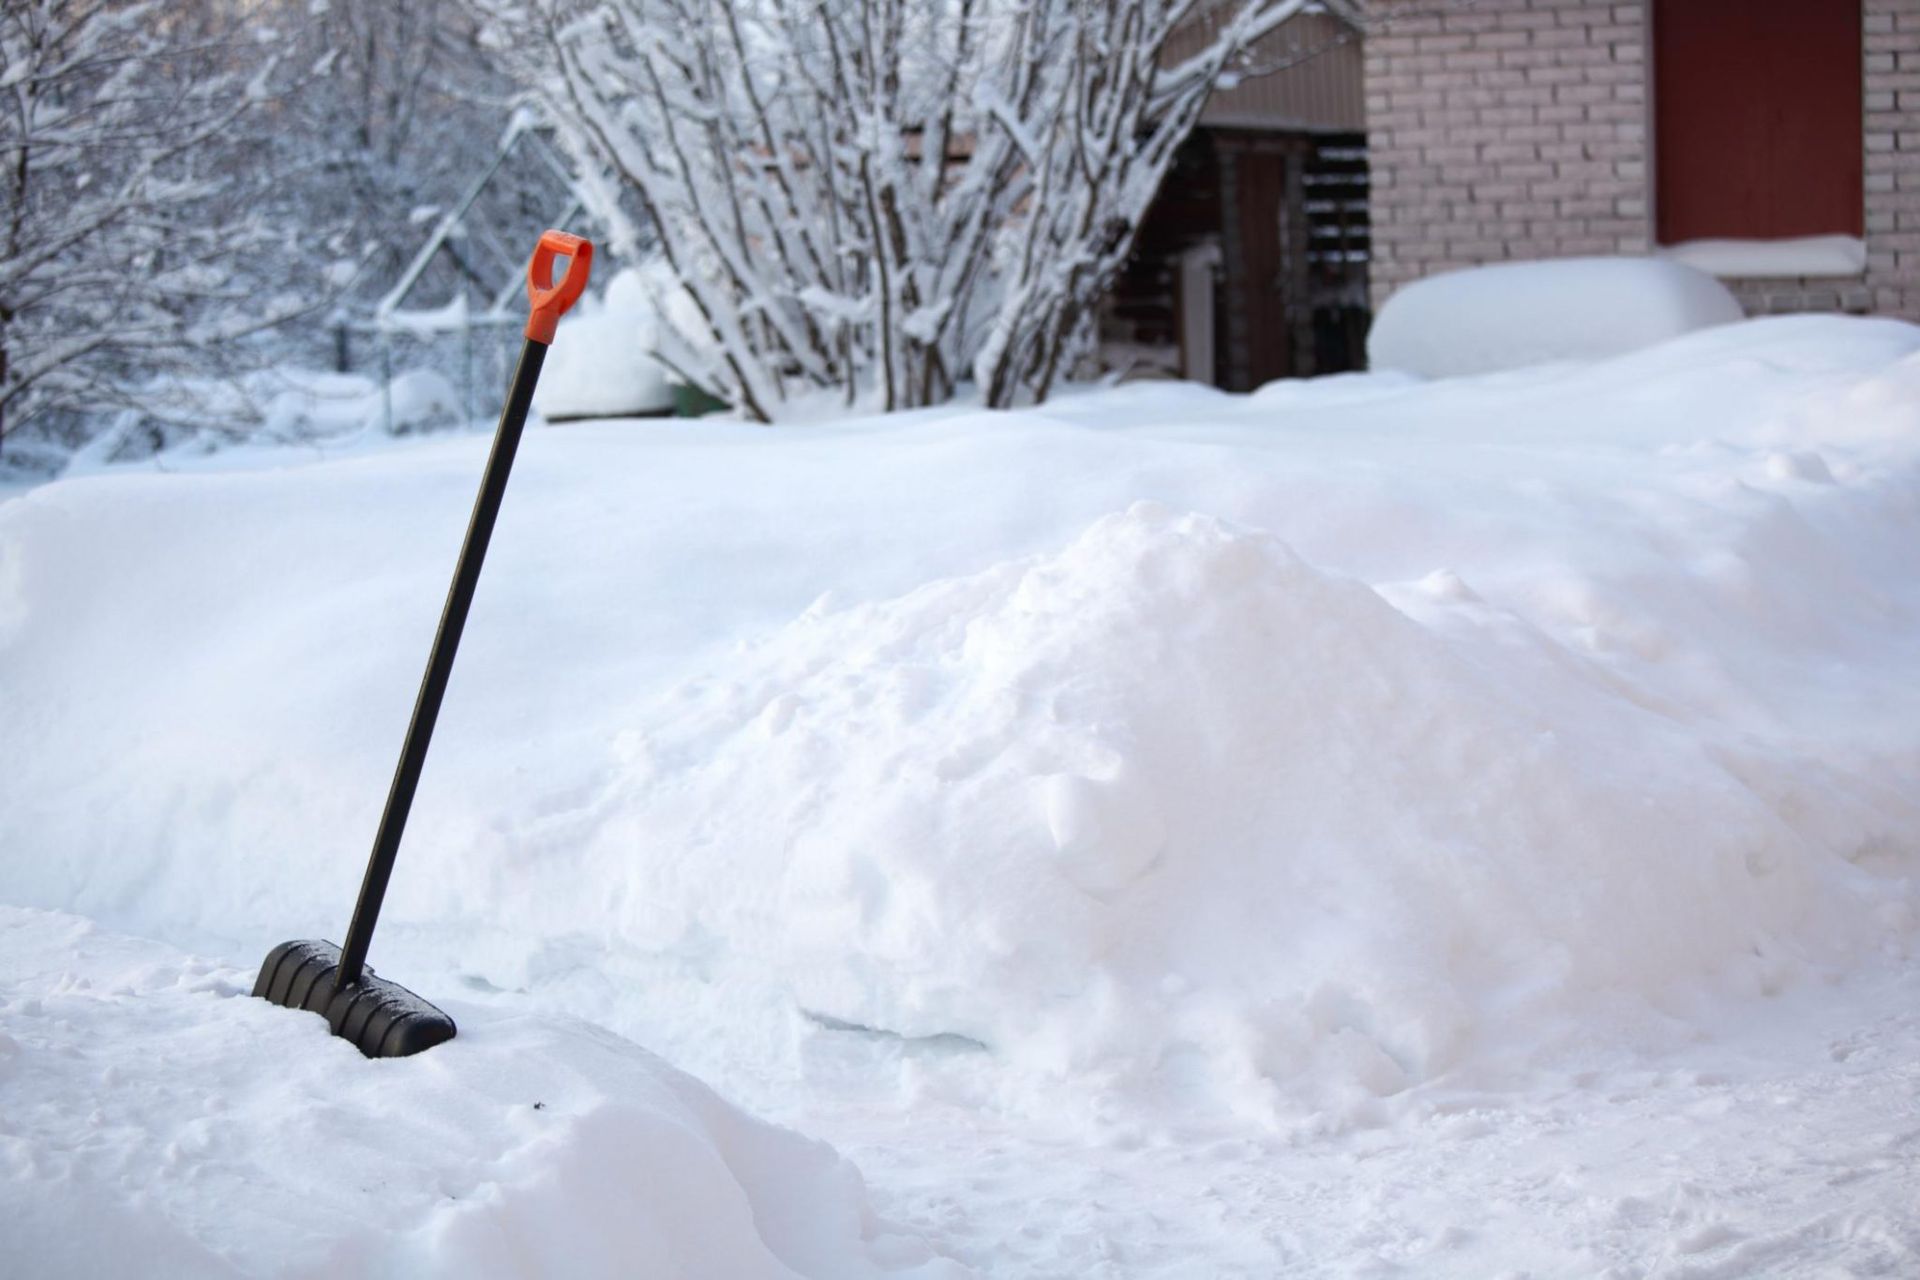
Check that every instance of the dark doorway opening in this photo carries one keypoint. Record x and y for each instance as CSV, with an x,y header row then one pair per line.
x,y
1267,233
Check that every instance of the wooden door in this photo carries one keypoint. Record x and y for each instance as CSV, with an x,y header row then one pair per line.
x,y
1268,301
1263,193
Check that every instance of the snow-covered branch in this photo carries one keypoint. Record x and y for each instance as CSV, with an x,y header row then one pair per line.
x,y
883,196
178,175
110,249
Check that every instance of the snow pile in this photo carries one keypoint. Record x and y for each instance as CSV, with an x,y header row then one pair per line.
x,y
159,1121
1175,796
599,364
1618,723
1402,762
1515,314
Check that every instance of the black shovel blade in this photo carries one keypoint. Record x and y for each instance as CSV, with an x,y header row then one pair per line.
x,y
381,1018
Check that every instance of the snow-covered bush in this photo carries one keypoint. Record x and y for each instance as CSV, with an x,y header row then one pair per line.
x,y
1514,314
601,362
883,198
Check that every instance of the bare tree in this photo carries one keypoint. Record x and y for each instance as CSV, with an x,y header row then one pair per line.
x,y
883,196
407,108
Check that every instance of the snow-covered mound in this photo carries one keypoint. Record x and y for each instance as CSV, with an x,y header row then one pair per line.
x,y
1514,314
601,363
1409,732
159,1121
1172,794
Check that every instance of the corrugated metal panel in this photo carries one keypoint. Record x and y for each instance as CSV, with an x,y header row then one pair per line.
x,y
1306,75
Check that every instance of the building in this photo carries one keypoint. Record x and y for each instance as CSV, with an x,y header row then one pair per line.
x,y
1773,142
1251,263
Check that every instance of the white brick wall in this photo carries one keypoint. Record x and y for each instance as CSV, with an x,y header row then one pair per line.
x,y
1505,129
1514,129
1893,157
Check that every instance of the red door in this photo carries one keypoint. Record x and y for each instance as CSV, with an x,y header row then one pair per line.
x,y
1757,119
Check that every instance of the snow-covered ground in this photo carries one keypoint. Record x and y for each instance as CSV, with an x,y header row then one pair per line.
x,y
1367,827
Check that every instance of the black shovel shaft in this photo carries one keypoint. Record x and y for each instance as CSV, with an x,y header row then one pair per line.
x,y
433,686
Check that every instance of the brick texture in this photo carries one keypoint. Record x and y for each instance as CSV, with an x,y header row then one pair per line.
x,y
1891,285
1514,129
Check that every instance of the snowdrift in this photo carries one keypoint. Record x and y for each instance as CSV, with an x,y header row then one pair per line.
x,y
1173,796
1409,733
161,1122
1514,314
601,363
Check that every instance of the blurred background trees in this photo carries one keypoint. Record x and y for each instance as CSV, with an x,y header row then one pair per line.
x,y
190,186
879,200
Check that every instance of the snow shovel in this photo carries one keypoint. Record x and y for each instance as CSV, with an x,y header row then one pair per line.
x,y
381,1018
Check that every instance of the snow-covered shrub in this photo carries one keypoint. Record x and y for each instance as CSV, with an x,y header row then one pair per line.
x,y
1514,314
601,363
882,198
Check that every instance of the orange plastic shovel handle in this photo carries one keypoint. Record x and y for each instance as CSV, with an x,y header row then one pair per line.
x,y
550,300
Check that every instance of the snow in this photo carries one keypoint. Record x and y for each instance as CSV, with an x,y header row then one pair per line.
x,y
1169,705
1772,259
450,317
1514,314
237,421
1462,827
420,400
221,1136
601,363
